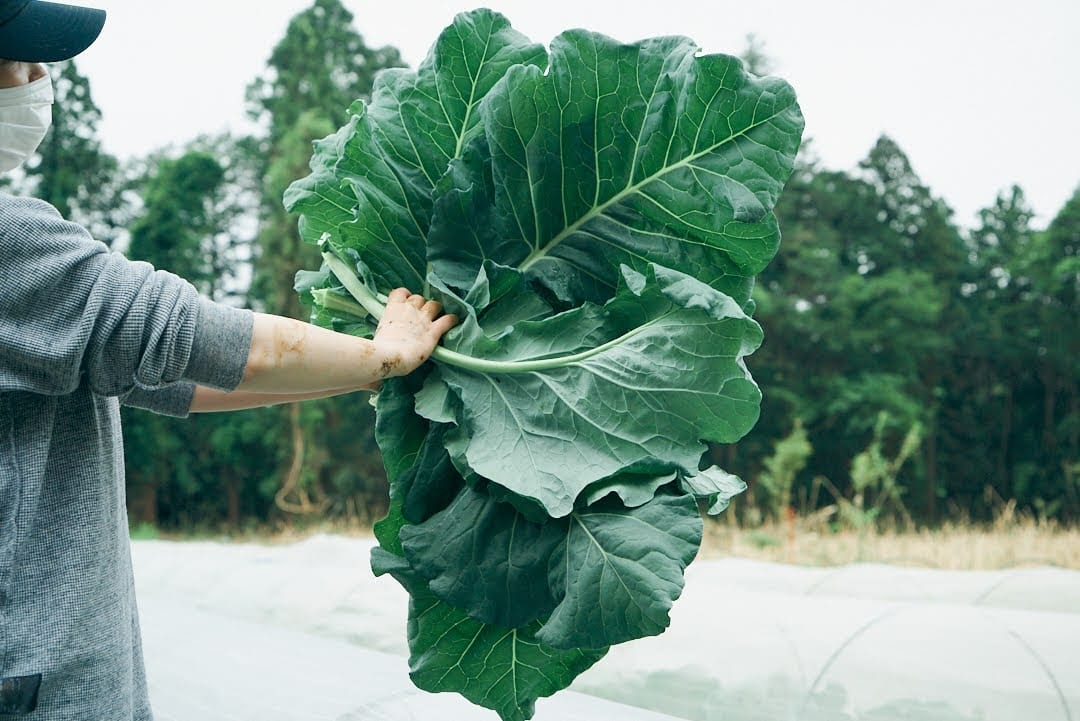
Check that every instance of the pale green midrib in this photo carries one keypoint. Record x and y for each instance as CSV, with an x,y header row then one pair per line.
x,y
514,668
481,365
375,308
598,210
475,80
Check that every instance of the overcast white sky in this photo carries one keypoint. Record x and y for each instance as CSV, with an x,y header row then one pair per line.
x,y
979,94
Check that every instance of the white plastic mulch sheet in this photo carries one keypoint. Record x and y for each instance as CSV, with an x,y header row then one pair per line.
x,y
204,666
249,633
748,641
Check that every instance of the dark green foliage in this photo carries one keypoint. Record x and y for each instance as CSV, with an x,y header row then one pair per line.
x,y
180,229
878,303
596,217
321,65
176,473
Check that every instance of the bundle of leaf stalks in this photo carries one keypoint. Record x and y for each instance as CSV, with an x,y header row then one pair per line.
x,y
596,216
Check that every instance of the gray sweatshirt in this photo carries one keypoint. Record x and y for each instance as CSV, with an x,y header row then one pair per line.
x,y
83,330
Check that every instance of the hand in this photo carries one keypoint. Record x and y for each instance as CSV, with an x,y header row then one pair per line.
x,y
410,329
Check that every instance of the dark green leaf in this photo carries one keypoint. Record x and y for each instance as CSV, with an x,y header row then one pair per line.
x,y
625,155
399,432
501,669
371,183
633,386
485,558
619,571
433,482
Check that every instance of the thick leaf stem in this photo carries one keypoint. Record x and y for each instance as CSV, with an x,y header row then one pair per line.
x,y
355,286
375,307
336,302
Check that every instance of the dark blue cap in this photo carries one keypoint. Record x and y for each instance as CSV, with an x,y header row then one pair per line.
x,y
46,32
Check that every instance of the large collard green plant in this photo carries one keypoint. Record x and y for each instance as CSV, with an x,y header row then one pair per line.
x,y
596,215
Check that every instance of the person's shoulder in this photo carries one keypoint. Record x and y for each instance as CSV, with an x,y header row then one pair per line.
x,y
34,234
33,221
18,211
26,204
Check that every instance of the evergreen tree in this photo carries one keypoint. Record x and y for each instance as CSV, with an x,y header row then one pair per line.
x,y
754,57
920,243
1053,271
318,69
992,364
209,468
853,308
314,74
195,208
179,228
321,65
281,252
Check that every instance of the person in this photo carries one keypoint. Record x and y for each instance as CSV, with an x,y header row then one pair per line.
x,y
82,331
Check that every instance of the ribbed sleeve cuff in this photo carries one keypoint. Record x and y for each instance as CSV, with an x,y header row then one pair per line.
x,y
220,349
173,400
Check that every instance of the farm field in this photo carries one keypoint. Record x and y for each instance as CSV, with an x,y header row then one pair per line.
x,y
300,626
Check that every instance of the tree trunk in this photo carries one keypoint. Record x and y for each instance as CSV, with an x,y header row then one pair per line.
x,y
930,459
232,496
292,497
290,488
1074,426
1049,401
1003,446
142,506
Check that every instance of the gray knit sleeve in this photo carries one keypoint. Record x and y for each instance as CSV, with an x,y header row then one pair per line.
x,y
72,312
173,400
221,335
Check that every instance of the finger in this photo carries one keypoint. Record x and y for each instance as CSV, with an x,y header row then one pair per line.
x,y
444,323
416,301
399,295
432,308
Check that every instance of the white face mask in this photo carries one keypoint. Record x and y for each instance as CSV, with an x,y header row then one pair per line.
x,y
25,117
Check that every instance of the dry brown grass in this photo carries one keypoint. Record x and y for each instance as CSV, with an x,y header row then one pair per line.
x,y
1012,540
1009,542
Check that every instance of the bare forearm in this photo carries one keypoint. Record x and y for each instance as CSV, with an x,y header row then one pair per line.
x,y
289,357
208,400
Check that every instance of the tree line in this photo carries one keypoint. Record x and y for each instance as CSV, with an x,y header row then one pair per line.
x,y
912,369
